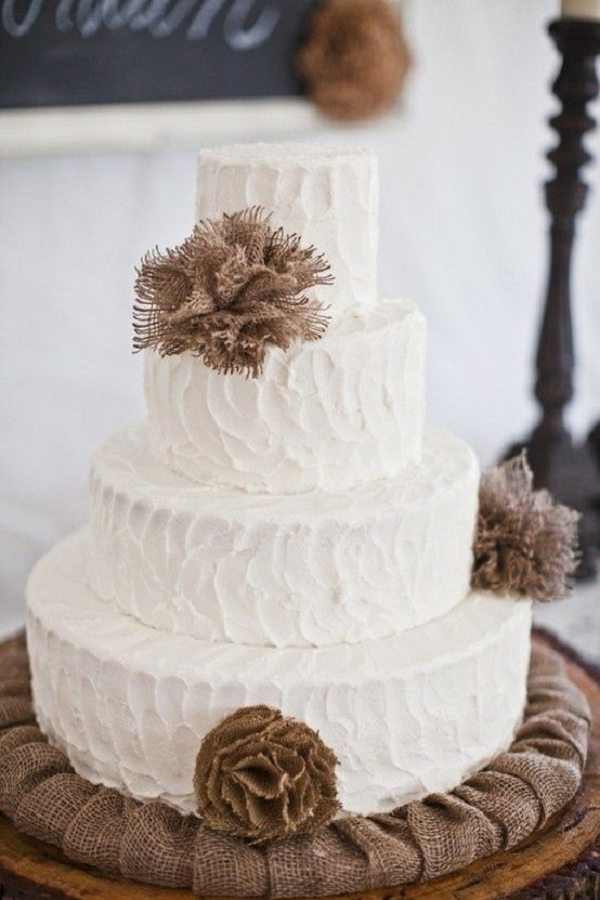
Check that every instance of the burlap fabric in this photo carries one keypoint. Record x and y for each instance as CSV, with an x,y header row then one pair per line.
x,y
492,810
235,287
264,776
526,543
355,59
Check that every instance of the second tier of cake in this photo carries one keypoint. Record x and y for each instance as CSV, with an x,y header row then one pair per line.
x,y
331,414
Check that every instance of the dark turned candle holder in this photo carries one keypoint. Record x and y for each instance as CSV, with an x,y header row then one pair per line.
x,y
571,472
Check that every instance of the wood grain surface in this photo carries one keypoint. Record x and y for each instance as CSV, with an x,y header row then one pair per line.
x,y
563,863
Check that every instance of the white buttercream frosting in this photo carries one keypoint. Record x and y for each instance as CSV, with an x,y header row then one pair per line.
x,y
291,540
406,716
314,569
332,414
327,195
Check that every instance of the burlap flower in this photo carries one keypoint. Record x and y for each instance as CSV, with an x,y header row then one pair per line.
x,y
355,60
233,288
262,776
526,544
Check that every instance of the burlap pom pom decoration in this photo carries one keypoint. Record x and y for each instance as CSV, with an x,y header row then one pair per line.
x,y
262,776
232,289
355,61
526,543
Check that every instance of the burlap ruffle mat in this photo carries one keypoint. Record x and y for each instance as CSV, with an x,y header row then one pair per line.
x,y
493,810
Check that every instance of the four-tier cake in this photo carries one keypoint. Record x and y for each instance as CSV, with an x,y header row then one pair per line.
x,y
300,540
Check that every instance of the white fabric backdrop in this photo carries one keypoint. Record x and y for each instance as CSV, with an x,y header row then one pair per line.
x,y
463,233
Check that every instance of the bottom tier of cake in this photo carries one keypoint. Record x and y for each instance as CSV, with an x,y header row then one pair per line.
x,y
407,715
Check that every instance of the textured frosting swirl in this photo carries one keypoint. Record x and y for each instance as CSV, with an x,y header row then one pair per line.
x,y
314,569
332,414
328,195
406,716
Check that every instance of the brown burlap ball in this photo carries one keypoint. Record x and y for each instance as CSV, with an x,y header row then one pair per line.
x,y
262,775
492,810
526,542
236,286
355,60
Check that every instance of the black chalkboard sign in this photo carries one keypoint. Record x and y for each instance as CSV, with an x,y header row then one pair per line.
x,y
63,52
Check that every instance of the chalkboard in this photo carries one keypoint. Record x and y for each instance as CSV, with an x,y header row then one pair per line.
x,y
64,52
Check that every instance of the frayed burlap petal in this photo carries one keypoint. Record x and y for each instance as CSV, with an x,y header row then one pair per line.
x,y
490,811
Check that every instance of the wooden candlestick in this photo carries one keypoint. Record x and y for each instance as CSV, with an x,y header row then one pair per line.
x,y
571,472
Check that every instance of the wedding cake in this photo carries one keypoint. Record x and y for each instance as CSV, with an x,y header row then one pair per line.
x,y
294,537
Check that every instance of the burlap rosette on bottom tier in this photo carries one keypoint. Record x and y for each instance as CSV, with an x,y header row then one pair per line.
x,y
492,810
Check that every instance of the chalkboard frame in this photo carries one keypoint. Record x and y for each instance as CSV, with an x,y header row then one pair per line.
x,y
148,127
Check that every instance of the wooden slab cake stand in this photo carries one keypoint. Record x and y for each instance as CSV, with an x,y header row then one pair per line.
x,y
562,863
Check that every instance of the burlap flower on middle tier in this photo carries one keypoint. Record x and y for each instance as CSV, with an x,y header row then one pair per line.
x,y
526,544
262,776
235,287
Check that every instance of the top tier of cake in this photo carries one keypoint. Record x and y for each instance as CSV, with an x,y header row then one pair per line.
x,y
336,413
327,195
